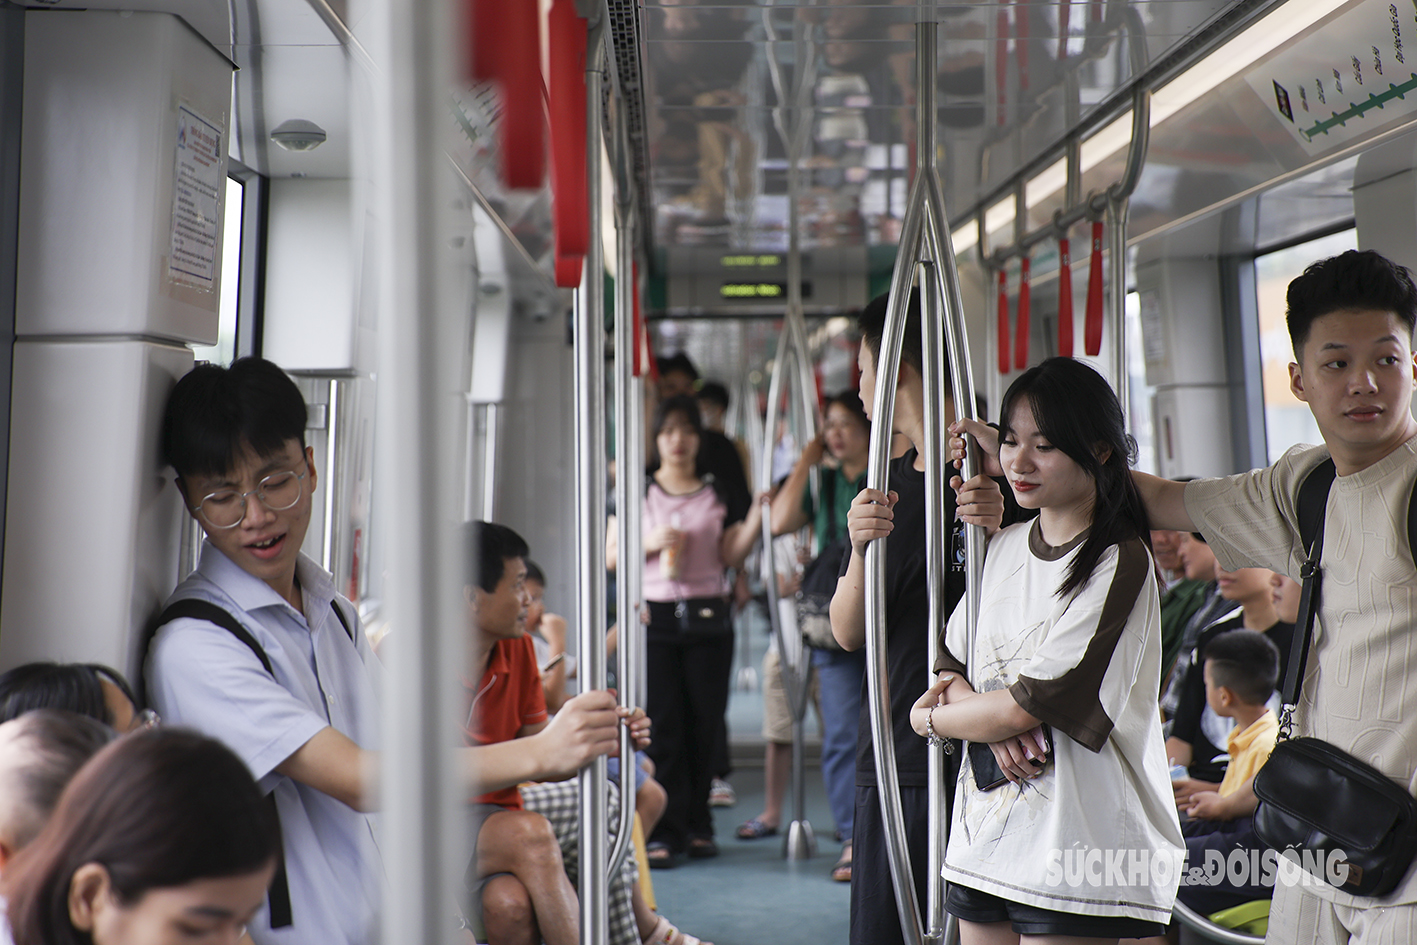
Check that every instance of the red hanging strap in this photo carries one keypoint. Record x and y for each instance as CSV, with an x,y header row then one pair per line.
x,y
1021,330
518,62
570,206
1092,333
1003,323
1065,298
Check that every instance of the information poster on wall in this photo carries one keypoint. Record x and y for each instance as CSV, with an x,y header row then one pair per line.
x,y
197,188
1347,79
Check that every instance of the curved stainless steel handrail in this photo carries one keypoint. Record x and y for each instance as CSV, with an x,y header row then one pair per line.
x,y
925,242
1198,923
627,491
590,508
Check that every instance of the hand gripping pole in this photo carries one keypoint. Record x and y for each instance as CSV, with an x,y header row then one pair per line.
x,y
924,246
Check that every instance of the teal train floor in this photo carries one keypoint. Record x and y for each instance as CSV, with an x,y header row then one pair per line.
x,y
750,894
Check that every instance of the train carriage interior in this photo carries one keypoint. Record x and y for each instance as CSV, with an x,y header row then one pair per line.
x,y
471,232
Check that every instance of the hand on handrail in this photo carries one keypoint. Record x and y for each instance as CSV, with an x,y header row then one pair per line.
x,y
639,725
870,517
986,436
979,501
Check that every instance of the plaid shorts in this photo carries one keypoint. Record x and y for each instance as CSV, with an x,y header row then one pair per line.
x,y
559,802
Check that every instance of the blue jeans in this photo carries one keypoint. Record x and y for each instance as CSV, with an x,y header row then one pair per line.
x,y
839,675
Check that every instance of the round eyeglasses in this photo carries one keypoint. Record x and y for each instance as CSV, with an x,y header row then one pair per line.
x,y
227,509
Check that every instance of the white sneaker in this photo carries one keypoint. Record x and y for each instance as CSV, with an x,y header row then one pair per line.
x,y
721,794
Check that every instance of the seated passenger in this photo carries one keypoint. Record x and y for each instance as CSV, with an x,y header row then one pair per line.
x,y
1199,563
1241,669
163,833
507,704
90,689
1197,735
1183,596
39,752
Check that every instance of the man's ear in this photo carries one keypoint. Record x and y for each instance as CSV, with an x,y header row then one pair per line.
x,y
88,895
310,464
470,597
1296,382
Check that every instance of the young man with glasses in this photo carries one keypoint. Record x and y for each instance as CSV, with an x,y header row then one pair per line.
x,y
256,649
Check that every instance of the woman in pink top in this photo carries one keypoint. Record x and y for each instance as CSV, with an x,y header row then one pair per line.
x,y
691,536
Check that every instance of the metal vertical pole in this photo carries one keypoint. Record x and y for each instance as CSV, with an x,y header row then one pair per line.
x,y
590,505
627,487
421,353
1117,210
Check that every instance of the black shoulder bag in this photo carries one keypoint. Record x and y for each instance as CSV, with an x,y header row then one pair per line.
x,y
1338,814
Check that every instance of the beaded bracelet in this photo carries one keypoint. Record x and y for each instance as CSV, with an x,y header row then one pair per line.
x,y
932,737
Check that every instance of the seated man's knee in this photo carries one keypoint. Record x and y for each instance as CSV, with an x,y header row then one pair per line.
x,y
507,913
518,837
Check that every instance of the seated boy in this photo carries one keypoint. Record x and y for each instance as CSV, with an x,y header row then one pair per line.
x,y
1241,668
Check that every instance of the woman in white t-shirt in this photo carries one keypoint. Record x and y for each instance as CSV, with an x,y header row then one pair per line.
x,y
1063,822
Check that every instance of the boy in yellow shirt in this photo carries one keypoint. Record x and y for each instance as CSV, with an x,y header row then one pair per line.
x,y
1241,669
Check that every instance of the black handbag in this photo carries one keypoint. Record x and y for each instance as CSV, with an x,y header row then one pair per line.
x,y
1341,819
815,598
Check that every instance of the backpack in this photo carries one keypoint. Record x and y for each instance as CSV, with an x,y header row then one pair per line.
x,y
279,894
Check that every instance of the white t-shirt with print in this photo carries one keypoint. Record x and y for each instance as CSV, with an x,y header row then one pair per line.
x,y
1090,667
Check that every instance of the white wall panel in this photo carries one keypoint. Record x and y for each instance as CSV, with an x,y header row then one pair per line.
x,y
92,523
311,323
98,168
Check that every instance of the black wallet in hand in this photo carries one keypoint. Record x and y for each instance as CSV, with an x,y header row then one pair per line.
x,y
987,773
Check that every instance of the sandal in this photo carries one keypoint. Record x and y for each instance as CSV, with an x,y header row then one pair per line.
x,y
755,829
659,856
702,848
841,872
666,934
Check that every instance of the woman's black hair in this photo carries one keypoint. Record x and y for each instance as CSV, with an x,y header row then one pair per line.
x,y
157,809
73,687
1078,413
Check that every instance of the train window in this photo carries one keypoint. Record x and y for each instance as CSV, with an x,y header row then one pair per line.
x,y
224,351
1287,420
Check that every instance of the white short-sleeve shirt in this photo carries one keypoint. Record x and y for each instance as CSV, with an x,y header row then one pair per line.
x,y
1096,833
201,676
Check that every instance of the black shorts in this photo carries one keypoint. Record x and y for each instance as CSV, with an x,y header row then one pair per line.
x,y
971,905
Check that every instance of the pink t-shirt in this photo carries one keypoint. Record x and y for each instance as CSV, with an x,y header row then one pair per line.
x,y
700,518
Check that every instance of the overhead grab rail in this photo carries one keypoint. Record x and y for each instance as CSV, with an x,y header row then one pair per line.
x,y
799,842
1111,203
924,245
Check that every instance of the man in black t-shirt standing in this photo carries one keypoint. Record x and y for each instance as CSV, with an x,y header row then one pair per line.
x,y
899,518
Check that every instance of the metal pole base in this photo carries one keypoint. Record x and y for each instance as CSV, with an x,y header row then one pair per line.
x,y
799,843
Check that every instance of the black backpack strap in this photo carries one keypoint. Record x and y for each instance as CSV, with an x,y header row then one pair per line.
x,y
343,621
1312,506
279,894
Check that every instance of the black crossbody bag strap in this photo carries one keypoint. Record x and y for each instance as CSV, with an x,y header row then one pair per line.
x,y
1312,506
279,893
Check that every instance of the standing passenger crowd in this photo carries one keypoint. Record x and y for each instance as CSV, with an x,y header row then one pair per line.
x,y
1118,692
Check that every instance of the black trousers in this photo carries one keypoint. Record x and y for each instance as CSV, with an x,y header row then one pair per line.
x,y
687,694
